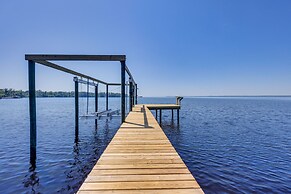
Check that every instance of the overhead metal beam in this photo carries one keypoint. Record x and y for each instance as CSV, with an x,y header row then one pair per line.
x,y
85,82
128,72
39,57
55,66
114,84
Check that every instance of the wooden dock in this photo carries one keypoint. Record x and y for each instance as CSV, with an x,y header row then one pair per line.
x,y
140,159
160,107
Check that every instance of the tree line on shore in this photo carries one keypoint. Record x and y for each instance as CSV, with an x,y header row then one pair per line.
x,y
11,93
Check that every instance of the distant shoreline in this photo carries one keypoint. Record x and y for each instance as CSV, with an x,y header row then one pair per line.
x,y
7,98
16,94
282,96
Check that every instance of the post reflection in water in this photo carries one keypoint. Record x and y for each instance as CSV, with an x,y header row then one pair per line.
x,y
88,146
31,180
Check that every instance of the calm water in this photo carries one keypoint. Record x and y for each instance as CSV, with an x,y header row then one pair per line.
x,y
231,145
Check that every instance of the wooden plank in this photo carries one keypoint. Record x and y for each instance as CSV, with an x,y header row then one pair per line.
x,y
142,142
139,138
134,134
140,185
131,148
140,151
148,191
146,146
140,147
140,159
137,166
128,178
140,171
138,154
162,106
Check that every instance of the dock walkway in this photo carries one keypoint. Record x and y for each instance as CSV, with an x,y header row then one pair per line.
x,y
140,159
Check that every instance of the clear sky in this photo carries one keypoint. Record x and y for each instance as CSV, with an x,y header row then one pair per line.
x,y
194,47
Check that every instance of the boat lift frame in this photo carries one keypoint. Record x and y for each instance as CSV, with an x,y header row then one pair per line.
x,y
46,61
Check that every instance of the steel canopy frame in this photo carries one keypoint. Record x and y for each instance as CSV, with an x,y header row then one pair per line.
x,y
46,61
76,57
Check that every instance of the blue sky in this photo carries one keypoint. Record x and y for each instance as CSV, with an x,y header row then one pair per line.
x,y
218,47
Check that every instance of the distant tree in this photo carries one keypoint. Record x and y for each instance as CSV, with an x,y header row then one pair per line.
x,y
11,93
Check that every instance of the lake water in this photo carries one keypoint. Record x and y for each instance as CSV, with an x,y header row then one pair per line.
x,y
231,145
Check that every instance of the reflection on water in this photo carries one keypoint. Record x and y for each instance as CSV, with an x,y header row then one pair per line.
x,y
31,180
61,164
81,164
230,145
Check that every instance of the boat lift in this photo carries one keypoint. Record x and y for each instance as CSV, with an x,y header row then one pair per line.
x,y
50,61
108,113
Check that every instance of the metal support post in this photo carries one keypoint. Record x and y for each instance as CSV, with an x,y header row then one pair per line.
x,y
107,96
135,93
130,94
96,98
172,114
178,116
122,91
87,96
96,103
160,116
32,111
76,111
